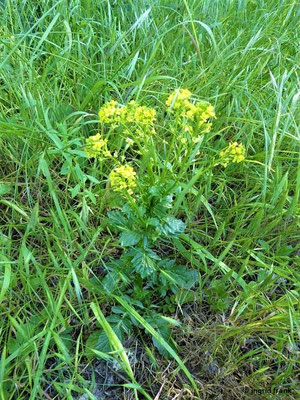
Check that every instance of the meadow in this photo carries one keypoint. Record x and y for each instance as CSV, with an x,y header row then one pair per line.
x,y
149,197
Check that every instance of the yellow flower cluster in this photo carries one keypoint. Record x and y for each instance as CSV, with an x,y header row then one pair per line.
x,y
200,110
112,113
234,152
196,115
96,146
139,114
123,179
179,99
138,119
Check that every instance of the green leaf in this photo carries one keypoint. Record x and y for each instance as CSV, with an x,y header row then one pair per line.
x,y
4,189
75,190
178,276
143,262
67,339
161,207
91,196
153,222
5,282
65,168
129,238
78,171
97,341
120,324
172,227
93,179
12,345
284,251
164,329
110,281
117,218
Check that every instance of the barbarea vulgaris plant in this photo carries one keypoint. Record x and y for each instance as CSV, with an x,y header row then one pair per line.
x,y
167,151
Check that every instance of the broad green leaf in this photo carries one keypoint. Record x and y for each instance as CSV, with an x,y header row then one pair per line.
x,y
173,227
110,281
97,341
179,276
129,238
117,218
143,261
4,188
143,264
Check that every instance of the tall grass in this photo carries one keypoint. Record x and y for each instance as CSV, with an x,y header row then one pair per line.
x,y
60,60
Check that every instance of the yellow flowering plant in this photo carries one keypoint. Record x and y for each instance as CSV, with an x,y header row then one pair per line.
x,y
189,123
165,149
151,162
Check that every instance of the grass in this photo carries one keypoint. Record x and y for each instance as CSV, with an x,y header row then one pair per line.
x,y
60,60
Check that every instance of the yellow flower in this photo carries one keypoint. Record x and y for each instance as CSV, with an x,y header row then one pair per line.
x,y
196,139
234,152
197,114
107,153
109,112
201,111
178,98
95,146
204,110
188,128
206,127
123,179
129,141
134,113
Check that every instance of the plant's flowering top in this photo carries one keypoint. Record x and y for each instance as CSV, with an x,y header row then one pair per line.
x,y
112,113
178,99
200,110
193,117
123,179
96,146
139,114
234,152
129,141
137,120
